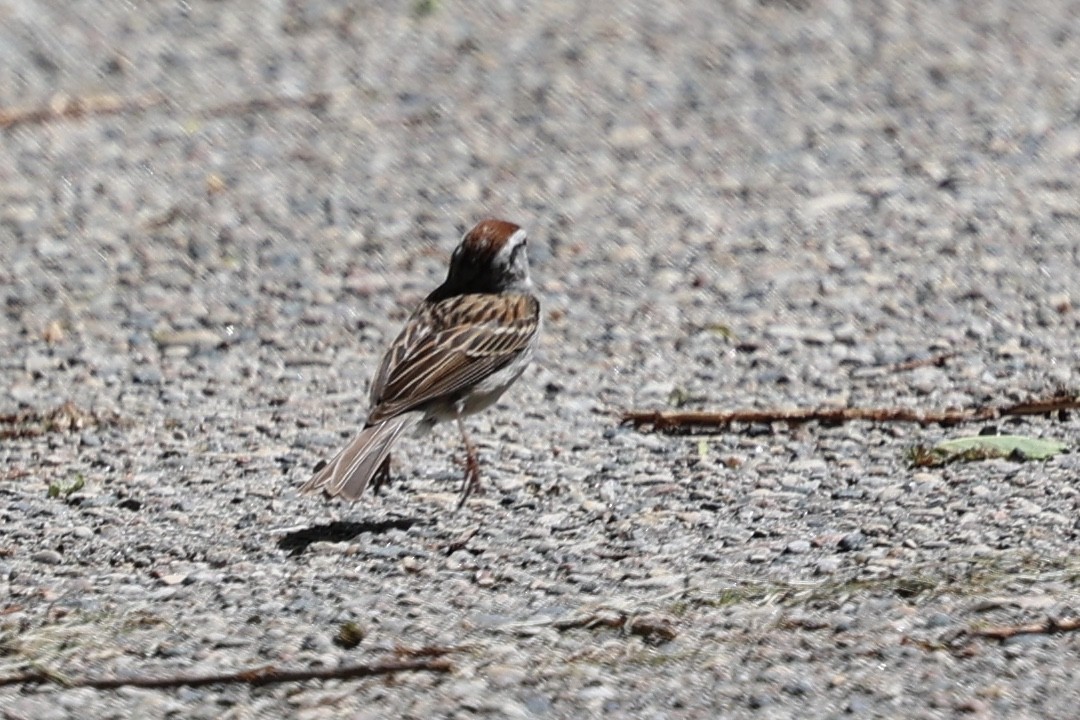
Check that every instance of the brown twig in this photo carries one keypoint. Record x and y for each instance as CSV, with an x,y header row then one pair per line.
x,y
461,542
651,627
1050,626
934,360
428,651
1045,406
681,422
68,108
256,676
68,417
315,101
63,107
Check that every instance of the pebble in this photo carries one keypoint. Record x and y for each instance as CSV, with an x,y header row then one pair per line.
x,y
851,541
195,337
502,676
147,375
759,556
798,547
48,557
827,565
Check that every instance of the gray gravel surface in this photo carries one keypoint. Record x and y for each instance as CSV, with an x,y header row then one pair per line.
x,y
737,204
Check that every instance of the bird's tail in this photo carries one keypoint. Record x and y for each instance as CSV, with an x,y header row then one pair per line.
x,y
349,473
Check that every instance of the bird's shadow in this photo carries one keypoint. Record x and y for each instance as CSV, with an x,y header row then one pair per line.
x,y
295,543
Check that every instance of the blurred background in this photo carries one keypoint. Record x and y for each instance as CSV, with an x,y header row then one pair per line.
x,y
214,216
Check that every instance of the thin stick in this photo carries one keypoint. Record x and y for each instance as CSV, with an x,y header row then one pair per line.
x,y
316,101
1050,626
934,360
648,626
68,108
63,108
66,418
690,422
257,676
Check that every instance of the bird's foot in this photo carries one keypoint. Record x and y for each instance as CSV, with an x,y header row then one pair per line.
x,y
472,484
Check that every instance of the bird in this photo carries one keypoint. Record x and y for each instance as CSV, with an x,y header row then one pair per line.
x,y
462,347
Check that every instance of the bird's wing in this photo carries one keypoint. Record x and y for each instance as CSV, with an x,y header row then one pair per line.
x,y
451,345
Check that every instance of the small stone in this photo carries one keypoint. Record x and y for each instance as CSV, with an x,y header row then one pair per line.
x,y
629,137
147,375
831,202
844,624
798,687
808,466
972,706
538,705
597,694
1026,508
188,338
1010,348
759,700
797,547
49,557
890,493
758,556
827,566
859,706
53,333
1060,302
505,675
173,578
851,541
458,560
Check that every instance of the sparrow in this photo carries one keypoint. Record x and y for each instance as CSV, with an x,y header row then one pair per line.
x,y
460,349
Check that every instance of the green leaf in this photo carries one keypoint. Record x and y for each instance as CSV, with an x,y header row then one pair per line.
x,y
678,396
75,487
720,329
1020,446
56,489
423,8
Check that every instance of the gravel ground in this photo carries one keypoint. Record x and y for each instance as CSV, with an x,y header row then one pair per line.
x,y
738,205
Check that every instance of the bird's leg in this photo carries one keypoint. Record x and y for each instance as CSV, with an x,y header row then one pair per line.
x,y
472,465
381,477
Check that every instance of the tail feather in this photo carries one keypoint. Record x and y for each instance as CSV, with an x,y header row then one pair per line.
x,y
349,473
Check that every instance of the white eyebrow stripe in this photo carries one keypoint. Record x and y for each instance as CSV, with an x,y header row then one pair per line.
x,y
517,238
